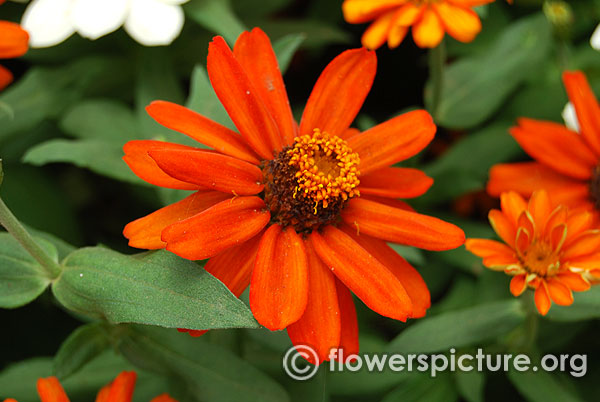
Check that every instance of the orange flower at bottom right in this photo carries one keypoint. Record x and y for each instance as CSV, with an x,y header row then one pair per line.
x,y
546,248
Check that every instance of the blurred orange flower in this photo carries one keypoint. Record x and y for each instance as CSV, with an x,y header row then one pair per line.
x,y
14,42
429,19
120,390
282,200
546,248
567,163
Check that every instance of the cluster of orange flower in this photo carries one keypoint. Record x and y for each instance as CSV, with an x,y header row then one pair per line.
x,y
255,211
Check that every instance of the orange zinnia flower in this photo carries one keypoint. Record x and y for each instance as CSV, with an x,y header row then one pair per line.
x,y
548,249
14,42
120,390
278,206
429,19
567,163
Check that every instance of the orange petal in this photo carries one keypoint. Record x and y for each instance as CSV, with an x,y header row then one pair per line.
x,y
224,225
557,218
319,327
555,146
393,141
526,177
377,33
559,292
138,160
586,262
163,398
396,35
359,11
210,169
503,227
500,261
349,133
428,31
577,223
202,129
408,14
349,323
395,183
234,265
340,92
461,23
6,78
392,202
370,280
574,281
486,248
409,277
103,394
518,285
242,100
50,390
401,226
586,106
146,232
587,243
254,52
279,284
542,300
472,3
512,205
540,209
14,40
9,399
121,389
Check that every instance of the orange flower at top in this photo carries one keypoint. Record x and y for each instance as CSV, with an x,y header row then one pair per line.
x,y
120,390
548,249
302,212
567,163
14,42
429,19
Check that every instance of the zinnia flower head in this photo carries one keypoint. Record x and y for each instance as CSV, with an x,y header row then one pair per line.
x,y
120,390
14,42
149,22
550,249
567,163
301,212
429,19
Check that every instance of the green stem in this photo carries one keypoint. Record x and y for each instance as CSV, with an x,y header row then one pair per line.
x,y
437,61
14,227
531,323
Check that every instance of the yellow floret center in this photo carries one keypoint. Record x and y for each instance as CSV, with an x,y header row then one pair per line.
x,y
540,259
327,169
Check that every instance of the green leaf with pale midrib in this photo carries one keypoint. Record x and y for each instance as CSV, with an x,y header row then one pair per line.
x,y
159,289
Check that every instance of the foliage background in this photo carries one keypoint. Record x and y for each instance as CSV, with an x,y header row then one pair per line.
x,y
73,106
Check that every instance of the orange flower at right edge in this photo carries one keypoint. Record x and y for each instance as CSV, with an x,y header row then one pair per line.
x,y
546,248
567,163
14,42
430,20
120,390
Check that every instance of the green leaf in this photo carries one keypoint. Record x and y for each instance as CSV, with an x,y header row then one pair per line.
x,y
22,278
45,92
475,87
455,329
470,385
286,47
204,100
209,372
216,16
81,347
155,80
99,156
540,386
585,307
100,119
423,388
157,289
317,33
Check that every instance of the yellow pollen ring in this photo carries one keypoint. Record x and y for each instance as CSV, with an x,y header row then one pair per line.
x,y
326,167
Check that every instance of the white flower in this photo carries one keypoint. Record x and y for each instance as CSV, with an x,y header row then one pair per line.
x,y
570,117
595,39
150,22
